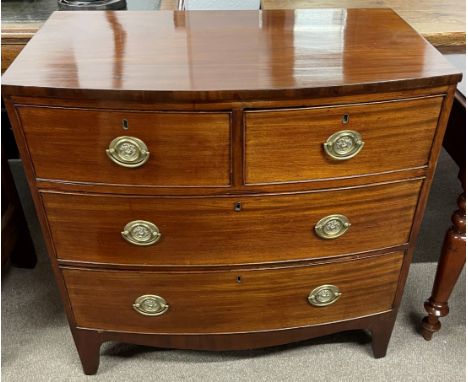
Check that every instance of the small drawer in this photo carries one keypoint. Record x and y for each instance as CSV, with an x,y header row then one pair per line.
x,y
128,148
288,145
234,300
227,230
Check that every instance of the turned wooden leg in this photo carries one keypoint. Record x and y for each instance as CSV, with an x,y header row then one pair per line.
x,y
88,344
450,265
381,333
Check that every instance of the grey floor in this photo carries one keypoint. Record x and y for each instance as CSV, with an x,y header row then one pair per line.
x,y
37,344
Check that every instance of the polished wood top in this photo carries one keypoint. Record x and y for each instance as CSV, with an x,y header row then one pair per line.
x,y
441,22
226,54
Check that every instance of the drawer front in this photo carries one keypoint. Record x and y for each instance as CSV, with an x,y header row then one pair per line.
x,y
186,149
206,231
232,301
288,145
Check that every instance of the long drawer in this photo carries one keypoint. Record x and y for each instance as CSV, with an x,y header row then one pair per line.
x,y
232,301
185,149
230,230
288,145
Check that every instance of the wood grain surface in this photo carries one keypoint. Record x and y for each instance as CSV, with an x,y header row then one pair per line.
x,y
186,149
208,231
287,145
217,302
442,23
252,56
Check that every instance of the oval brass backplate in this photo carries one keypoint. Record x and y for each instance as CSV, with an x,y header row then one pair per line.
x,y
128,152
150,305
332,226
141,232
343,145
324,295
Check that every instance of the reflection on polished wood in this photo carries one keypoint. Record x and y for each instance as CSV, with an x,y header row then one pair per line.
x,y
197,58
18,31
441,22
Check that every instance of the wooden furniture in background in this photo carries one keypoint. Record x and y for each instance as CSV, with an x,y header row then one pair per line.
x,y
240,239
14,39
453,256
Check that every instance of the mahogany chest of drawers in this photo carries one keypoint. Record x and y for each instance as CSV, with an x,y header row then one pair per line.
x,y
229,180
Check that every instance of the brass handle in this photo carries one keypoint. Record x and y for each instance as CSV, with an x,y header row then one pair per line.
x,y
343,145
141,232
324,295
128,152
332,226
150,305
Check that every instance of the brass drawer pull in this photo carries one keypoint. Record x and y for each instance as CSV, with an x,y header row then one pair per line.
x,y
343,145
332,226
141,232
128,152
150,305
324,295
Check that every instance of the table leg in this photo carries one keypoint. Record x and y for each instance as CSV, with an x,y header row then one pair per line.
x,y
450,265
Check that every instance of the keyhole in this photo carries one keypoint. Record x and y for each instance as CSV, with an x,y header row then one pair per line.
x,y
345,119
237,206
124,124
238,280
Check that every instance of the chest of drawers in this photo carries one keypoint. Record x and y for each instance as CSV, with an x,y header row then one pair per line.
x,y
229,180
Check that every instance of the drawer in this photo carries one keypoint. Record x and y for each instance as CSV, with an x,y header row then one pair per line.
x,y
185,149
208,231
231,301
288,145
